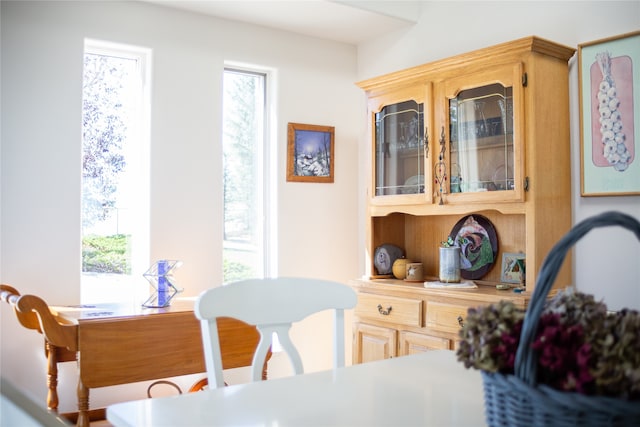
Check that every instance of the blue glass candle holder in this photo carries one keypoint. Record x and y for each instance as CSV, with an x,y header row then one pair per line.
x,y
160,276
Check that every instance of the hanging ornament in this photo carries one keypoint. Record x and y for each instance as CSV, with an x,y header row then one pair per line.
x,y
441,171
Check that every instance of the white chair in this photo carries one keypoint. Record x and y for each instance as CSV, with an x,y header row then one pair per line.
x,y
272,305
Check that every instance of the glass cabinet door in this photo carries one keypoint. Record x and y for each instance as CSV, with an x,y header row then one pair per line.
x,y
399,149
481,135
485,138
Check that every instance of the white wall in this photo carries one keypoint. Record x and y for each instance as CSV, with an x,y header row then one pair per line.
x,y
606,260
42,49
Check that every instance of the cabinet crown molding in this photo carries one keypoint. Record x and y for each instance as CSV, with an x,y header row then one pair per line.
x,y
479,58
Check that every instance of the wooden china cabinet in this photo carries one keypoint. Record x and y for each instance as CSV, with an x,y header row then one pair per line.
x,y
484,133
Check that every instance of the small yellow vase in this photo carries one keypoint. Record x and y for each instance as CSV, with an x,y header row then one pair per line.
x,y
399,268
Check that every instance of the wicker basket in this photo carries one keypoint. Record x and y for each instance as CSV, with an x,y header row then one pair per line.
x,y
517,400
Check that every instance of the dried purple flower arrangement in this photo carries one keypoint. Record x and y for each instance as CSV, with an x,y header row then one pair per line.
x,y
580,346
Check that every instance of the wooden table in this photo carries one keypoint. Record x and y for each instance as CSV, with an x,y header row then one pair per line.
x,y
119,344
426,389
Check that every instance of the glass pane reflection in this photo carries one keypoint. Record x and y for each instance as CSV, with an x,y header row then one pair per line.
x,y
399,156
481,133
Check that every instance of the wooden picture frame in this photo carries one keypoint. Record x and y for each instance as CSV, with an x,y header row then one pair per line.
x,y
609,116
510,271
310,153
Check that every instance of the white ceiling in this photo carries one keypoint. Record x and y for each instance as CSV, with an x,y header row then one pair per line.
x,y
344,21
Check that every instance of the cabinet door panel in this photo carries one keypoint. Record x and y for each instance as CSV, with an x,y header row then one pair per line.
x,y
399,157
398,125
373,343
412,343
483,158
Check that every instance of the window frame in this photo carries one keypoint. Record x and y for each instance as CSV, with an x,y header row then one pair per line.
x,y
142,134
268,167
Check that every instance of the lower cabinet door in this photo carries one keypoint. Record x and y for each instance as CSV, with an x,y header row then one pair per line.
x,y
373,343
412,343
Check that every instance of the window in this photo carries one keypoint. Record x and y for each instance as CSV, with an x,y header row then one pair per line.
x,y
247,176
115,178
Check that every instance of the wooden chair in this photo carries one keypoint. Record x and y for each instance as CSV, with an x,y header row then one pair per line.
x,y
60,339
272,305
10,295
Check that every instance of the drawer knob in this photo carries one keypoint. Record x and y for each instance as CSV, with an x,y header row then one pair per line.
x,y
383,311
460,321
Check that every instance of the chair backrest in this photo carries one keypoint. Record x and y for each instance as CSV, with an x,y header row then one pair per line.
x,y
34,313
272,305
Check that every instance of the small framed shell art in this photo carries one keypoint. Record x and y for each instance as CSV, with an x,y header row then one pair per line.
x,y
512,267
609,116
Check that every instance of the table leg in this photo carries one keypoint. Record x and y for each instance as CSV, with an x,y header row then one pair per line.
x,y
83,405
52,376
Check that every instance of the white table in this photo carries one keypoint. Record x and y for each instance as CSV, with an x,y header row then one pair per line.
x,y
429,389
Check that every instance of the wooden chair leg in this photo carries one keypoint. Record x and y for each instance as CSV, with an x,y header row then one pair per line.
x,y
52,377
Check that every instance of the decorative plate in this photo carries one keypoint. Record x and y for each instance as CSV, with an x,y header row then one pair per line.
x,y
414,183
478,243
502,177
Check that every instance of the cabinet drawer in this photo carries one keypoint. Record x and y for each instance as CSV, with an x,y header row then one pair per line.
x,y
398,311
445,317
